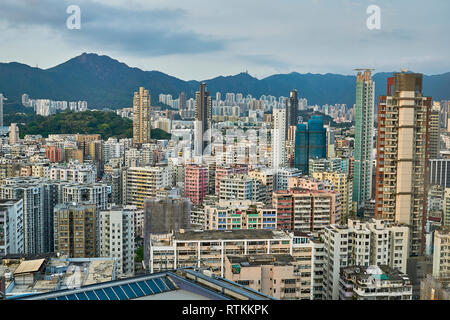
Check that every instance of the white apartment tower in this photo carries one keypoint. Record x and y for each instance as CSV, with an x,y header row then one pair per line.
x,y
279,139
117,237
375,242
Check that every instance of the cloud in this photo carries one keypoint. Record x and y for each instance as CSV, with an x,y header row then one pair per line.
x,y
135,30
199,39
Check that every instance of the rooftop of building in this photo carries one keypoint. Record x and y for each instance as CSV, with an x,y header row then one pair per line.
x,y
231,235
180,284
444,230
55,273
238,204
262,259
8,202
380,272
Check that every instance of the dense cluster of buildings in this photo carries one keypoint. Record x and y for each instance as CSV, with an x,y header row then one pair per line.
x,y
295,207
47,107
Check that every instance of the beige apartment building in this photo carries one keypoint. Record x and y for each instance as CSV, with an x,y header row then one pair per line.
x,y
343,184
276,275
75,230
402,157
140,183
141,116
209,249
441,253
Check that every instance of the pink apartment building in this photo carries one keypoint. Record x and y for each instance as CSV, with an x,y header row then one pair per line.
x,y
196,183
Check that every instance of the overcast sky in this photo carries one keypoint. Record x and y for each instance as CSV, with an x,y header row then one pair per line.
x,y
201,39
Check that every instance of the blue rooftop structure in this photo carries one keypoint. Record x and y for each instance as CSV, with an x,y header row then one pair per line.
x,y
181,284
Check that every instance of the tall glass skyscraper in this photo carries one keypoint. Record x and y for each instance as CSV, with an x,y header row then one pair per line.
x,y
362,179
292,109
301,148
310,143
317,146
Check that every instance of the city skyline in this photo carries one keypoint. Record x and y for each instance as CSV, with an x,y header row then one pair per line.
x,y
122,184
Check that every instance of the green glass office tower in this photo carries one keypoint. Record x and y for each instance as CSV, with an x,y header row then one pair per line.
x,y
362,179
310,143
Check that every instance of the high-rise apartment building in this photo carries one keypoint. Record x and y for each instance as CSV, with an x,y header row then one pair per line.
x,y
203,119
141,116
279,159
140,183
196,183
342,183
39,197
307,211
11,227
93,193
182,101
73,172
241,187
2,97
13,133
75,230
224,171
239,214
117,235
292,110
362,179
375,242
434,132
402,158
446,208
52,153
268,179
166,215
441,253
329,165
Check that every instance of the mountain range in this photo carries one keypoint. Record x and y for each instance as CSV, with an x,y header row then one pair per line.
x,y
106,82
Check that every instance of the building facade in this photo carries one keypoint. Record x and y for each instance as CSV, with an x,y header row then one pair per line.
x,y
141,116
375,242
364,109
402,158
117,236
75,230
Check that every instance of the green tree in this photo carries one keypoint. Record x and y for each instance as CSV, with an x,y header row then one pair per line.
x,y
139,257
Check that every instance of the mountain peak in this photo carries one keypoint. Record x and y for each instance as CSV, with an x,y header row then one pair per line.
x,y
106,82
